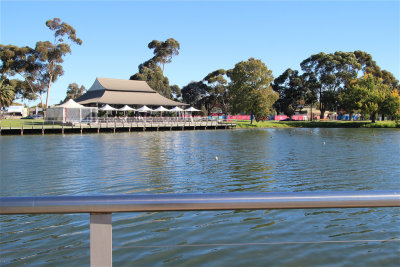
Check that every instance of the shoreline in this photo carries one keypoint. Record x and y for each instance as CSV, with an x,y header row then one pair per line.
x,y
318,124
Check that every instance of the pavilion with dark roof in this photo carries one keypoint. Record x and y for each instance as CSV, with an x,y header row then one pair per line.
x,y
124,92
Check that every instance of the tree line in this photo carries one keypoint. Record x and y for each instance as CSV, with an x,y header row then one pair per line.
x,y
341,81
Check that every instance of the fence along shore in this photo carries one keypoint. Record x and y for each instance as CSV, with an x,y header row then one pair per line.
x,y
9,127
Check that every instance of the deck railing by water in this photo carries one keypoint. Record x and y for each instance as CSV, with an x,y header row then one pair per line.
x,y
21,126
102,207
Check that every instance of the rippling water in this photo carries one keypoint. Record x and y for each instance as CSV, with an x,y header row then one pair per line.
x,y
262,160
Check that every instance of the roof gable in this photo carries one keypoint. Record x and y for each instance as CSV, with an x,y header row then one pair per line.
x,y
124,92
110,84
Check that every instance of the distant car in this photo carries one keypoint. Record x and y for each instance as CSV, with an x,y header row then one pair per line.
x,y
27,118
37,116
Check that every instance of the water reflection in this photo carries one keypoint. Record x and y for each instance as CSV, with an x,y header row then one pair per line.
x,y
259,160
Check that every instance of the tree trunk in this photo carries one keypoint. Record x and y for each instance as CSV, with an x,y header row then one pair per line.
x,y
251,118
321,117
383,117
320,103
373,117
351,116
41,101
50,72
48,91
225,111
311,113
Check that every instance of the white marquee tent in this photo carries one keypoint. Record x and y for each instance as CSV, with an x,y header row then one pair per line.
x,y
71,111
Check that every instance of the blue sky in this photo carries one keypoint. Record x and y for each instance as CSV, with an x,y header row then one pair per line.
x,y
212,34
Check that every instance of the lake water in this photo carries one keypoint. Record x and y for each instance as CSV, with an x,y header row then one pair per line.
x,y
261,160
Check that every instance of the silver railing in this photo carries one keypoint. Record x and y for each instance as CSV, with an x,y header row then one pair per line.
x,y
102,207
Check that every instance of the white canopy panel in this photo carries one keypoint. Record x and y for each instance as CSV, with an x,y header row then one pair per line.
x,y
191,109
144,109
107,108
161,108
176,109
126,108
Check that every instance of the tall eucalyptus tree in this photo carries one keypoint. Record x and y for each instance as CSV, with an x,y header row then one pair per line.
x,y
152,71
332,72
51,53
217,87
292,91
164,51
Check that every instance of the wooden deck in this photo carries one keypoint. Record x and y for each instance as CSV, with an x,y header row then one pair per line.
x,y
113,126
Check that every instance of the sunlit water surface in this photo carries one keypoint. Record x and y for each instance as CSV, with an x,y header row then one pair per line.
x,y
262,160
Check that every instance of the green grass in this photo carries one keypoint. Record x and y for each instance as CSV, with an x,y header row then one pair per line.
x,y
317,124
17,124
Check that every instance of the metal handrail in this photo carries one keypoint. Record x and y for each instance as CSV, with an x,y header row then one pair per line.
x,y
102,207
185,202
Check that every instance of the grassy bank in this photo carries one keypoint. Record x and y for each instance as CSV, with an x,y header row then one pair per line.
x,y
317,124
17,123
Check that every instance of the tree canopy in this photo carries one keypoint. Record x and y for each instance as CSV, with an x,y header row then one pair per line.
x,y
332,72
370,95
164,51
151,71
292,90
217,87
250,89
39,66
193,93
22,62
74,91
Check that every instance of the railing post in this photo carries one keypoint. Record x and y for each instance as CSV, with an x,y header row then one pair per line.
x,y
100,239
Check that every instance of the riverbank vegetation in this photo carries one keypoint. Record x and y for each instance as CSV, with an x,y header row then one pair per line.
x,y
340,82
317,124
